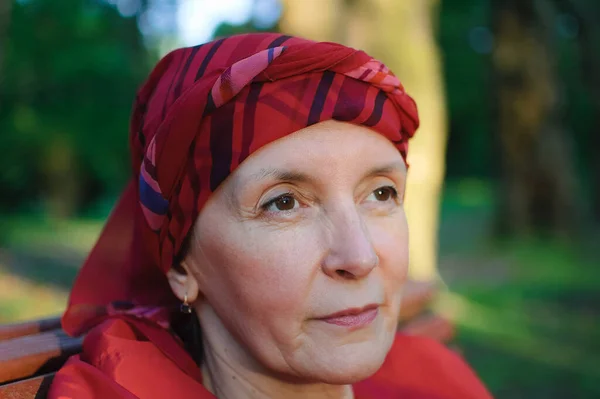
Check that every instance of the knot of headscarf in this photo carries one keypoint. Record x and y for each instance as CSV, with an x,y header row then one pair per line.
x,y
202,112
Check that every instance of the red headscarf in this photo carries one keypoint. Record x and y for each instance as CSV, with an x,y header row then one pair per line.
x,y
204,110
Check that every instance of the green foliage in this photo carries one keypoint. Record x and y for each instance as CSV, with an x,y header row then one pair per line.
x,y
466,39
71,68
467,80
226,29
70,72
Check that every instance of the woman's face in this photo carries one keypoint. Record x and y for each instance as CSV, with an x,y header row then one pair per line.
x,y
302,253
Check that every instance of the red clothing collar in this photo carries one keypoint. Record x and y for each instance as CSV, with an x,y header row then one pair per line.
x,y
128,358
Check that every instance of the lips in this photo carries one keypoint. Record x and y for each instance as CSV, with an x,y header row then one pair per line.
x,y
354,317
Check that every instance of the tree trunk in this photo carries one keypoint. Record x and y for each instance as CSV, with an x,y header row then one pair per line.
x,y
62,180
401,34
588,15
537,192
5,10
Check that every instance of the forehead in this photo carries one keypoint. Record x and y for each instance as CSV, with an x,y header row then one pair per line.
x,y
323,147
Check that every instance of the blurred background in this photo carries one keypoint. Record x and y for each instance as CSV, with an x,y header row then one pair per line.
x,y
504,187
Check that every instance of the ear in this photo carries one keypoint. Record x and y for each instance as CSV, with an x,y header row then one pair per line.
x,y
183,283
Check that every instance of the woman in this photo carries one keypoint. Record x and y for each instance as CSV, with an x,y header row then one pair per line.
x,y
261,249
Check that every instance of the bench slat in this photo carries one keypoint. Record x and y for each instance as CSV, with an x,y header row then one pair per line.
x,y
10,331
32,388
35,354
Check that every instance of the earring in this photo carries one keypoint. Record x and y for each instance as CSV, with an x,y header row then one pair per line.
x,y
185,307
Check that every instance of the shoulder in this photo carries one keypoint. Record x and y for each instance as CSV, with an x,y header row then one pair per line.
x,y
418,367
85,375
119,357
80,380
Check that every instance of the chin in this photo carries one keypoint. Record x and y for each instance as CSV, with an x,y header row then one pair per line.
x,y
350,374
349,364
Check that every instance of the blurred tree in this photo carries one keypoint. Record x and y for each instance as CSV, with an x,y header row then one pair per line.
x,y
538,187
587,14
258,21
5,6
226,29
401,33
71,69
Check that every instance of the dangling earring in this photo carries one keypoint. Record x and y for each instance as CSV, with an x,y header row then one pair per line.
x,y
185,307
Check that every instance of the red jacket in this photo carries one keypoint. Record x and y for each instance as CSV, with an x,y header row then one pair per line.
x,y
128,358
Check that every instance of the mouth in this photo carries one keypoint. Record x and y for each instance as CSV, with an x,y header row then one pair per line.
x,y
353,318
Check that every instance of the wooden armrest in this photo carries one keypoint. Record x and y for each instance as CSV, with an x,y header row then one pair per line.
x,y
10,331
416,297
430,325
31,388
36,354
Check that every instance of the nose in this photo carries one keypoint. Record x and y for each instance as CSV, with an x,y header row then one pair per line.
x,y
351,254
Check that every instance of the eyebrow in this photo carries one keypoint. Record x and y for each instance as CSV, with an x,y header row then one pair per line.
x,y
295,176
280,174
393,167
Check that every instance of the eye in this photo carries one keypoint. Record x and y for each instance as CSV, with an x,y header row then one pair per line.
x,y
383,194
283,203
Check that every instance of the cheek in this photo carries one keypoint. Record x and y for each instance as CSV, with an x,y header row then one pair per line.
x,y
390,237
265,272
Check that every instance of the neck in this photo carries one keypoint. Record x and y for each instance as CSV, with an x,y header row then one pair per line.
x,y
230,372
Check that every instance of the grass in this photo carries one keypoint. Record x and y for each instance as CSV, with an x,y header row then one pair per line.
x,y
532,337
20,299
39,259
526,310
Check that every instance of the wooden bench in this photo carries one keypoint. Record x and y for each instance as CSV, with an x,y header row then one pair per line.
x,y
31,352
